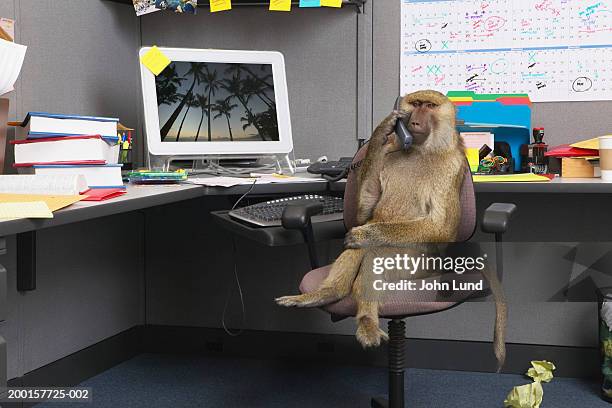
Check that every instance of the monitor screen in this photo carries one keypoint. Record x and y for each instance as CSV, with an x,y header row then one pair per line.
x,y
216,102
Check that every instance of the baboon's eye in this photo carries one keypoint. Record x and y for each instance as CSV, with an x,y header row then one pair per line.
x,y
431,105
416,104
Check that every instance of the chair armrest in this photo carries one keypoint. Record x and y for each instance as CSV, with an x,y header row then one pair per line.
x,y
298,216
497,217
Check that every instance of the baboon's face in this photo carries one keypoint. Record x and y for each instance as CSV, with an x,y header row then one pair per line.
x,y
428,112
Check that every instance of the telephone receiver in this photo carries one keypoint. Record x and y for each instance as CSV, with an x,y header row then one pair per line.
x,y
401,130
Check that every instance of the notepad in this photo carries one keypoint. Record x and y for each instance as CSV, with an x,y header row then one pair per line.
x,y
506,178
155,60
54,202
280,5
220,5
30,209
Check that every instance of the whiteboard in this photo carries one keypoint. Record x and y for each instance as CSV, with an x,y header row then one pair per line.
x,y
554,50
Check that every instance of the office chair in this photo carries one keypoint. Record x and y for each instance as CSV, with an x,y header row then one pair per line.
x,y
495,220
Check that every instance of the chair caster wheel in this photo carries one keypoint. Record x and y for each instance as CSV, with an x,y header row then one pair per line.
x,y
380,402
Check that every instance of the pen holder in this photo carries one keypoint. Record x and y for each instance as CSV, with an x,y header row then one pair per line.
x,y
4,107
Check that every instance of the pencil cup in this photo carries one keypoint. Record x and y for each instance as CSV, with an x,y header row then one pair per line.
x,y
605,157
4,107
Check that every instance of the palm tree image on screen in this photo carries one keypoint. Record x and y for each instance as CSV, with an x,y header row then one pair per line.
x,y
236,99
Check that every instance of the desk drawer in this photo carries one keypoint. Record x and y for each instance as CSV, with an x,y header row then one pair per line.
x,y
3,300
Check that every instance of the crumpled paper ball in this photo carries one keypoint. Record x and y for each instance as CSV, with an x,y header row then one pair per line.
x,y
525,396
541,371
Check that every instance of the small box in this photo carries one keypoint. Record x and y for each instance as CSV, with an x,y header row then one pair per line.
x,y
573,167
4,108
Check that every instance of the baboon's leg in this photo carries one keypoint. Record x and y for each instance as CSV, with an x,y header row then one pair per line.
x,y
334,287
368,333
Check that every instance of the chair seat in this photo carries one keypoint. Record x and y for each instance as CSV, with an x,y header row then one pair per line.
x,y
396,303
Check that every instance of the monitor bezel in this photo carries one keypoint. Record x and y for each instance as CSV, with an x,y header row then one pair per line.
x,y
244,148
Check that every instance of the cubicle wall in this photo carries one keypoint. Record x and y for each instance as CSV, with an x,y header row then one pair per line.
x,y
342,71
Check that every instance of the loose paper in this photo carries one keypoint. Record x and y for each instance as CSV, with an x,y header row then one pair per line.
x,y
7,29
54,203
32,209
331,3
525,396
588,144
280,5
143,7
238,181
155,60
220,5
541,371
11,61
310,3
552,50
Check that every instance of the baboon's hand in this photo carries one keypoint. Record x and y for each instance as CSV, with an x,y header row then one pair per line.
x,y
356,238
383,132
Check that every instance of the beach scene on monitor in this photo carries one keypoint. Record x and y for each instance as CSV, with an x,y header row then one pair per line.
x,y
216,102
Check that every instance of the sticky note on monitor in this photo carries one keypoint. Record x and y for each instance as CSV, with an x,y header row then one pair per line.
x,y
155,60
220,5
310,3
331,3
280,5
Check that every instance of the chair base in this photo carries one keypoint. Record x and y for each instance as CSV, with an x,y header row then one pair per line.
x,y
380,403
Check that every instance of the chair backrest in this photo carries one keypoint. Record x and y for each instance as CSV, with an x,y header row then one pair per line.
x,y
467,225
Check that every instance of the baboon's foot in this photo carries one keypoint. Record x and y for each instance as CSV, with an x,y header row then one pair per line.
x,y
369,334
312,299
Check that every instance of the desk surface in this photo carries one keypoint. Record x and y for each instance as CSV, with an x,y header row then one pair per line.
x,y
140,197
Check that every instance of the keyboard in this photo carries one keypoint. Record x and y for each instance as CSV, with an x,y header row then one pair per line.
x,y
269,214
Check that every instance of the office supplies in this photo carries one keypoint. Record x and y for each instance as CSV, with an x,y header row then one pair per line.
x,y
11,60
261,179
589,144
96,175
157,177
280,5
37,184
190,121
103,194
532,155
54,202
154,60
579,167
220,5
74,149
605,157
484,47
510,178
45,125
269,213
26,209
566,150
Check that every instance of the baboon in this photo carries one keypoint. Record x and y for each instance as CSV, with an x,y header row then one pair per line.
x,y
407,198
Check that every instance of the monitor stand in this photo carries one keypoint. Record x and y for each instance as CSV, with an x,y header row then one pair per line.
x,y
226,165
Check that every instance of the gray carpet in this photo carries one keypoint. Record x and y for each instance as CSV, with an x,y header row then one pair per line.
x,y
156,380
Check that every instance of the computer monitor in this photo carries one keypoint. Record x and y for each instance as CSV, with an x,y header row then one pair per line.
x,y
217,103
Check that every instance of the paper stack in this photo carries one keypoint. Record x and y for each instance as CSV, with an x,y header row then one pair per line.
x,y
11,61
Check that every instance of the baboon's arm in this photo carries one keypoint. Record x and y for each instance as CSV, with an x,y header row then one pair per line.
x,y
393,234
371,168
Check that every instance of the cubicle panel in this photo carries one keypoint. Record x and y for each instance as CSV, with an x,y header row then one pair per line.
x,y
3,290
565,122
320,49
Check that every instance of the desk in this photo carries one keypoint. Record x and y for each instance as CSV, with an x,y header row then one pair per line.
x,y
151,198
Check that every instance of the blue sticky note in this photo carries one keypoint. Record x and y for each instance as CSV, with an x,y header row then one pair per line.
x,y
310,3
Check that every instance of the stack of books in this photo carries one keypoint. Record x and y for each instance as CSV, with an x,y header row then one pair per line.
x,y
52,144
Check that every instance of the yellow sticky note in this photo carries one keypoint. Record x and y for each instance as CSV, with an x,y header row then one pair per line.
x,y
473,156
525,396
331,3
280,5
503,178
155,60
31,209
220,5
